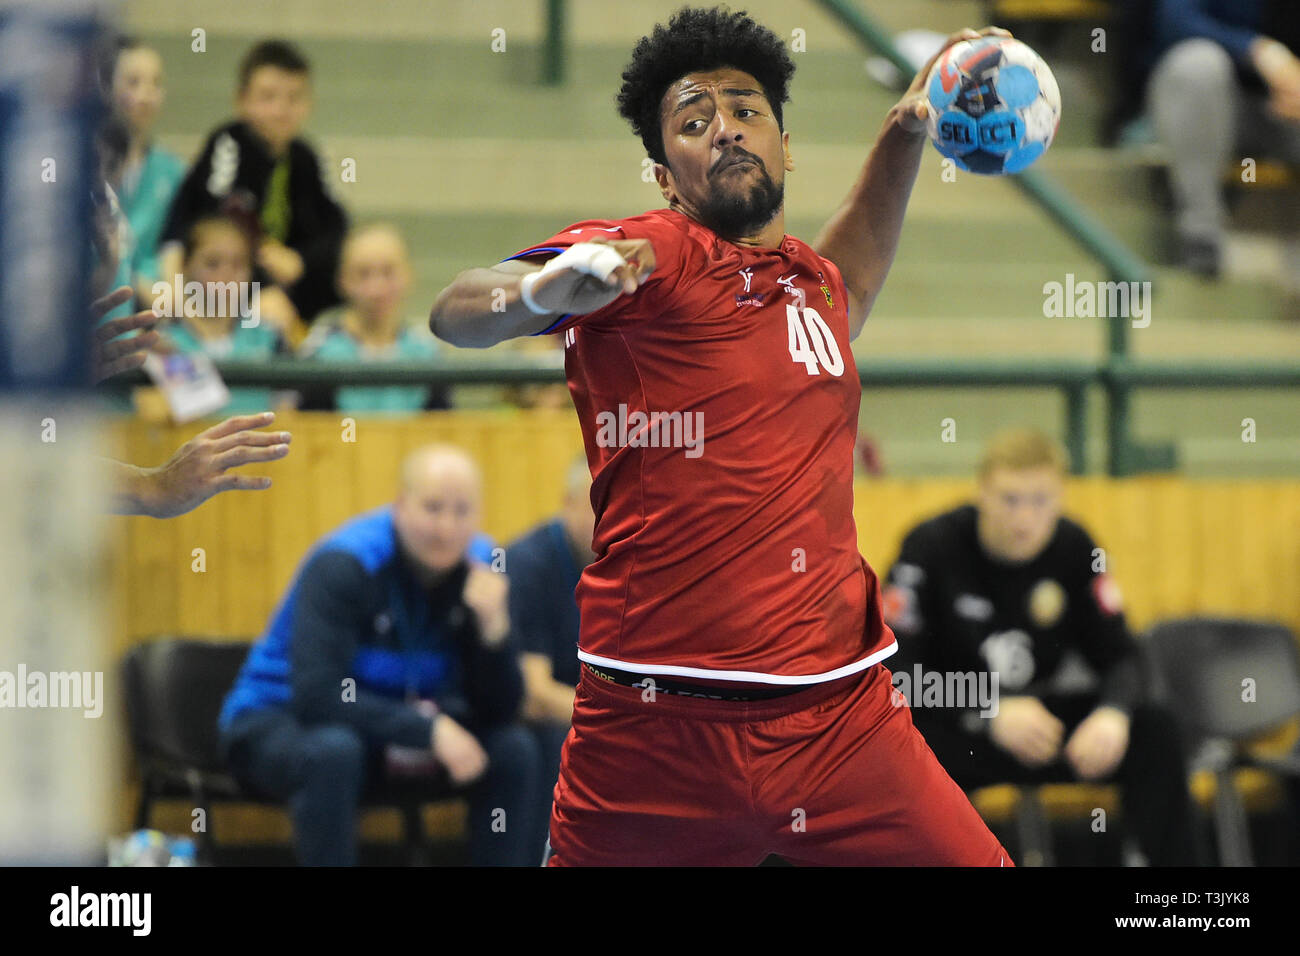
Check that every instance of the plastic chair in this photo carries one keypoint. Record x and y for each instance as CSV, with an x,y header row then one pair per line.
x,y
1229,680
174,690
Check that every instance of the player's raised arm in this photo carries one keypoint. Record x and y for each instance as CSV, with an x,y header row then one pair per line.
x,y
482,307
861,237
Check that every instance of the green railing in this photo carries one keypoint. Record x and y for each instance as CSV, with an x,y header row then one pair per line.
x,y
1071,379
553,55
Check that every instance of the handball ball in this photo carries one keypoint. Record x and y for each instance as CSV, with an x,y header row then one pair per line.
x,y
994,105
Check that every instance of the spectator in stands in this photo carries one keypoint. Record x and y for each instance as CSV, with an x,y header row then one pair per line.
x,y
544,566
1010,587
258,167
374,278
392,635
146,178
218,255
1226,86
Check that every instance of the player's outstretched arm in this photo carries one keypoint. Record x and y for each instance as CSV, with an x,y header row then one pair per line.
x,y
862,236
482,307
198,470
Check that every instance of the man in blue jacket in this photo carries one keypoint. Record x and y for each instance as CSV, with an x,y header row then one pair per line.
x,y
393,641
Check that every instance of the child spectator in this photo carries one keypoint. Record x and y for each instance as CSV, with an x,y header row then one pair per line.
x,y
258,167
374,278
147,177
218,254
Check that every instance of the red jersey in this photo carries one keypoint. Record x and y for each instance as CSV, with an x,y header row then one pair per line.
x,y
719,409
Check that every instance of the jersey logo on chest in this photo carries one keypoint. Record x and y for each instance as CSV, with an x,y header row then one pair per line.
x,y
746,296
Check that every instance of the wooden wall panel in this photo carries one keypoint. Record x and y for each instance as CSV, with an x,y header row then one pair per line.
x,y
1175,546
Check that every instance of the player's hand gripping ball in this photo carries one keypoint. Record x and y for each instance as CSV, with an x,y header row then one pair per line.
x,y
994,105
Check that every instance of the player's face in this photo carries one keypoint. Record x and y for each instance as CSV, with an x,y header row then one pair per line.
x,y
1018,511
727,157
437,516
374,276
275,103
138,87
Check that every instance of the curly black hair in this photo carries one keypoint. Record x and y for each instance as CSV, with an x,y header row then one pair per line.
x,y
698,39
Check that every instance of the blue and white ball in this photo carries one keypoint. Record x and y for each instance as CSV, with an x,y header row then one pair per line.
x,y
994,105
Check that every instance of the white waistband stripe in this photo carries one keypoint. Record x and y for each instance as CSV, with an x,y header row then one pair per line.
x,y
754,677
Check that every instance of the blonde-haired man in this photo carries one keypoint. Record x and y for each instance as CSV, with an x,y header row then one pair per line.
x,y
1002,594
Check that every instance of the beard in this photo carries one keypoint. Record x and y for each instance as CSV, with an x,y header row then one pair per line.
x,y
736,211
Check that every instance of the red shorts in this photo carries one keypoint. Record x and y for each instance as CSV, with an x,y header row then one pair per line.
x,y
832,775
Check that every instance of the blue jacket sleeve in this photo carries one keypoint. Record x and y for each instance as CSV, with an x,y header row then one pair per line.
x,y
1178,20
328,621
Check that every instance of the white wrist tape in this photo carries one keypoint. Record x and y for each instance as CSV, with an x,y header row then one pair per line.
x,y
526,294
589,258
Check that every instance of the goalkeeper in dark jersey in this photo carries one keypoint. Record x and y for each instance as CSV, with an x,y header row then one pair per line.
x,y
1010,589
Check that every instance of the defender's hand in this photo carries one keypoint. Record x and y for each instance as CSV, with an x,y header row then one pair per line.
x,y
199,469
112,355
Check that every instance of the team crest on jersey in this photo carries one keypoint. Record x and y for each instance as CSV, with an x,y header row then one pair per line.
x,y
826,291
1046,603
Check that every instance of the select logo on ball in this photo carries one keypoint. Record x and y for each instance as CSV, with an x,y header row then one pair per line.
x,y
995,106
1000,132
958,134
